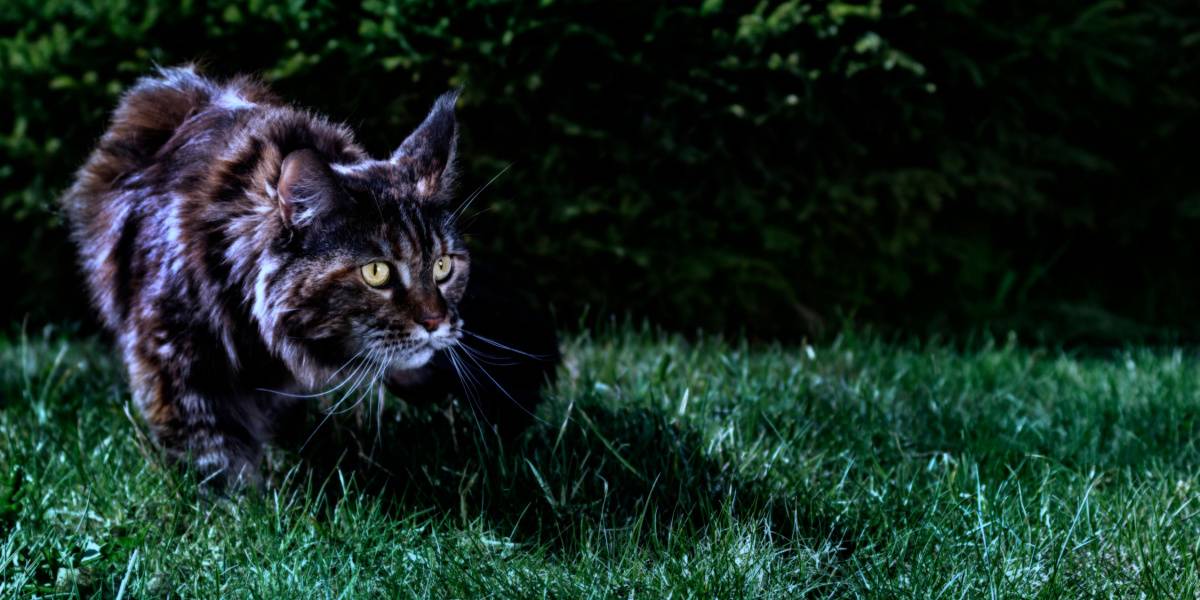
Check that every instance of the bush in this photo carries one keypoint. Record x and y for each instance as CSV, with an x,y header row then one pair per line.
x,y
767,166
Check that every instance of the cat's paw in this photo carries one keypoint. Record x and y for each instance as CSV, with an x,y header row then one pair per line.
x,y
226,472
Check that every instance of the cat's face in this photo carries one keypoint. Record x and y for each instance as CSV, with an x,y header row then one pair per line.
x,y
381,282
374,265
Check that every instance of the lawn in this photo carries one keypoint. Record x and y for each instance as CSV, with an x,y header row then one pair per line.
x,y
661,467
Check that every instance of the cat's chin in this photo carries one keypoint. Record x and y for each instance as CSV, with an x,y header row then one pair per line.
x,y
416,360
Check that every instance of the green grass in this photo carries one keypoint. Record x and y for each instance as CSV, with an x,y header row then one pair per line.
x,y
663,468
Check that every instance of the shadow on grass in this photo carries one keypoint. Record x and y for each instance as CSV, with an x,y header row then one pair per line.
x,y
629,472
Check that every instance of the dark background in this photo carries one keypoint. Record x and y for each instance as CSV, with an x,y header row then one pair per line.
x,y
773,168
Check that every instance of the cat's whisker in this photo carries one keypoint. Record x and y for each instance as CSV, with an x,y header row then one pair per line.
x,y
345,364
357,392
469,390
359,371
458,372
505,392
374,377
322,393
466,226
371,355
380,397
470,383
540,357
490,359
466,203
329,413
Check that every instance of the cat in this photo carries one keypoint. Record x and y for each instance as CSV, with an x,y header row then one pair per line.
x,y
246,254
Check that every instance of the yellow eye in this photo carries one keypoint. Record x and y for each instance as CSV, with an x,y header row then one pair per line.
x,y
377,273
442,268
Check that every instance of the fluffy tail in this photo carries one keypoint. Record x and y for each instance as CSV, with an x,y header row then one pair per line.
x,y
145,120
148,115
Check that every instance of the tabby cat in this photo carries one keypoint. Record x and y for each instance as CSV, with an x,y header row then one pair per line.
x,y
246,253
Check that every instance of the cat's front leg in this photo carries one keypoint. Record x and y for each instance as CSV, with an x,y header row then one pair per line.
x,y
207,433
226,456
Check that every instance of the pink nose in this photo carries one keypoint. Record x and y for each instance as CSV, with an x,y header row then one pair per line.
x,y
431,322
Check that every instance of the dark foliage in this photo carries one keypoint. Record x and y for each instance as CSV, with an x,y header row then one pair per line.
x,y
768,167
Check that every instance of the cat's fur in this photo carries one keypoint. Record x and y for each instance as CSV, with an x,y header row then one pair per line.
x,y
222,234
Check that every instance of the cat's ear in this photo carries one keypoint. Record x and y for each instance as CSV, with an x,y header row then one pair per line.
x,y
429,152
305,187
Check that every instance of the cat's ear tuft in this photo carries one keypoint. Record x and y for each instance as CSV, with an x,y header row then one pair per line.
x,y
305,186
429,152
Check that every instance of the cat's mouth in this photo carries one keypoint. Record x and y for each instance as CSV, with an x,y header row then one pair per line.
x,y
418,348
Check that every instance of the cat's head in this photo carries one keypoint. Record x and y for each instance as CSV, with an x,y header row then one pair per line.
x,y
371,266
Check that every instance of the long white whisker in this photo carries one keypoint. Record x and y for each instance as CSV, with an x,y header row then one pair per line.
x,y
334,374
353,388
378,381
468,379
469,390
490,359
450,353
542,357
379,396
329,413
505,392
322,393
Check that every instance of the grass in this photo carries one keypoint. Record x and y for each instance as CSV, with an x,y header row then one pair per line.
x,y
662,468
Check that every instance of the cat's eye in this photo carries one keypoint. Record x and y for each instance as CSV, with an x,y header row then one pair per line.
x,y
376,273
442,268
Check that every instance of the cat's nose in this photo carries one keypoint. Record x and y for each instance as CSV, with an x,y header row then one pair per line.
x,y
431,322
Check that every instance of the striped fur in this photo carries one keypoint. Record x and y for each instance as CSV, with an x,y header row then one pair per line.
x,y
218,284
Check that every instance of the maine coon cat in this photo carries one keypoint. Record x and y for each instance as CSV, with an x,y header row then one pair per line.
x,y
245,253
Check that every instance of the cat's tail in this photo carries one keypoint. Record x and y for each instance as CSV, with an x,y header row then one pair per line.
x,y
147,116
